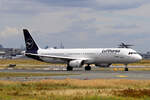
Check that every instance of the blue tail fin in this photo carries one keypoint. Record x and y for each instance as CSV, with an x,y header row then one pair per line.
x,y
31,46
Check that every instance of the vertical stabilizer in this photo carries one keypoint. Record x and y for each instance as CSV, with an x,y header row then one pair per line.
x,y
31,46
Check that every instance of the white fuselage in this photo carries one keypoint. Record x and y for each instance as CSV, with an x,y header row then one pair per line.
x,y
93,56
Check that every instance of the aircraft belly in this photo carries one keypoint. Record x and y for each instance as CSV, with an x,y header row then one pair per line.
x,y
104,60
110,59
52,60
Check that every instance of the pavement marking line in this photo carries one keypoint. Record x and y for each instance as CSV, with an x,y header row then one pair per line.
x,y
121,76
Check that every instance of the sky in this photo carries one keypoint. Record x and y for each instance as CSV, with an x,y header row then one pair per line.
x,y
76,23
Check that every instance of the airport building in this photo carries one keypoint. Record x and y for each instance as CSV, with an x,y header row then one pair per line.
x,y
9,53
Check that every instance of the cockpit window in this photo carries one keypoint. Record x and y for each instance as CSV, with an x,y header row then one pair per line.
x,y
130,53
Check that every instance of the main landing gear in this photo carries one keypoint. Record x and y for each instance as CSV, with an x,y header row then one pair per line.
x,y
88,68
126,67
69,68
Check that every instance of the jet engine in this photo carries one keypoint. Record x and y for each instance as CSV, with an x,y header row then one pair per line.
x,y
76,63
103,65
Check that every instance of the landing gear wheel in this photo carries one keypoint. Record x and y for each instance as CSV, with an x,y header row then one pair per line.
x,y
88,68
69,68
126,69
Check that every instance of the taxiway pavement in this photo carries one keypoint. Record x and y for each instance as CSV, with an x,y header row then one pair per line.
x,y
79,74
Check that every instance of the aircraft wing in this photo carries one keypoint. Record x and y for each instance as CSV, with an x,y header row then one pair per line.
x,y
56,57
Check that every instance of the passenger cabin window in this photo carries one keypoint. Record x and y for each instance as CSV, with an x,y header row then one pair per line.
x,y
130,53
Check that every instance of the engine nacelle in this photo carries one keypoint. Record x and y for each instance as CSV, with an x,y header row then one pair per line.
x,y
76,63
103,65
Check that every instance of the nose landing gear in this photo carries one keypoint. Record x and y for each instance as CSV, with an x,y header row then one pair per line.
x,y
126,67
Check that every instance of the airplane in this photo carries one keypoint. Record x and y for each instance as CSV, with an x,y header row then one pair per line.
x,y
123,45
76,58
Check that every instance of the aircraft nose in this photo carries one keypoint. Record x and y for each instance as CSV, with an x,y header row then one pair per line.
x,y
138,57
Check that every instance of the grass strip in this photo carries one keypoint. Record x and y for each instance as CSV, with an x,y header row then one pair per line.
x,y
18,74
75,89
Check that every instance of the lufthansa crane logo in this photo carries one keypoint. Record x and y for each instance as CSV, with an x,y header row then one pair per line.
x,y
29,43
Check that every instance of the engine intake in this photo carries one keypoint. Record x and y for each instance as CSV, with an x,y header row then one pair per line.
x,y
76,63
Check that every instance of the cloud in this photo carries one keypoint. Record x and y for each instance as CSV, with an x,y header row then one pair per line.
x,y
30,7
142,11
8,32
124,26
96,4
36,6
77,23
25,7
53,22
119,4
